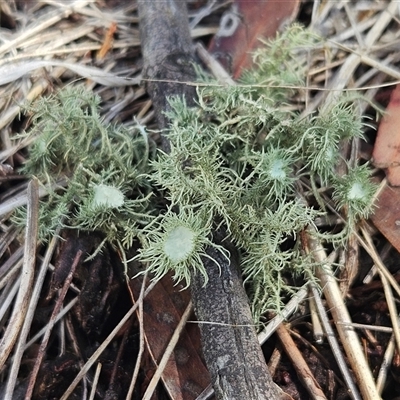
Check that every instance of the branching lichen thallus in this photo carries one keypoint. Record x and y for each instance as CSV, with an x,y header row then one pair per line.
x,y
241,159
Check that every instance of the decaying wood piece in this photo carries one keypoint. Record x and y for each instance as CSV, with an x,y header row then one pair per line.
x,y
233,355
167,55
230,345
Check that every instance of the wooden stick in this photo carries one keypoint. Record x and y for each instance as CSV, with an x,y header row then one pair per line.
x,y
348,336
303,371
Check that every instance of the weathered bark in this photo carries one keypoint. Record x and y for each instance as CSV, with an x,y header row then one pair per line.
x,y
167,54
230,345
232,353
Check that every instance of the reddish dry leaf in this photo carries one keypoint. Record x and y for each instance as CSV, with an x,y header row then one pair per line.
x,y
386,155
387,215
387,146
108,41
185,375
241,28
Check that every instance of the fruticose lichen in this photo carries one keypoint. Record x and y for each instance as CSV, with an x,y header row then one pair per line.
x,y
245,158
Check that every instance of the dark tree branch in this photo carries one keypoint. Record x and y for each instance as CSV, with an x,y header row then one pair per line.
x,y
167,53
230,345
232,353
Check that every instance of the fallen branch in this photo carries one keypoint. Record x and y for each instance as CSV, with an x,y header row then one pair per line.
x,y
231,350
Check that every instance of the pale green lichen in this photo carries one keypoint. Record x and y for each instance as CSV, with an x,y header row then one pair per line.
x,y
179,244
106,188
107,196
243,159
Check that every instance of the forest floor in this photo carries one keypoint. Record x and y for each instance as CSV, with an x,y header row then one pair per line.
x,y
99,336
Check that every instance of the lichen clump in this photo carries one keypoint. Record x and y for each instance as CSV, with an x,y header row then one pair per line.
x,y
248,160
95,173
244,161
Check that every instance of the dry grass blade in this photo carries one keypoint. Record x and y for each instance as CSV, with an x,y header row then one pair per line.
x,y
318,332
52,321
167,354
214,66
289,309
106,342
41,24
14,71
386,362
38,88
345,73
348,336
9,270
141,342
394,315
385,329
10,291
59,316
23,198
95,381
353,391
21,345
27,274
371,250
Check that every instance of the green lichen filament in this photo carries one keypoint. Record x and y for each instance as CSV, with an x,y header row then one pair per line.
x,y
102,164
244,159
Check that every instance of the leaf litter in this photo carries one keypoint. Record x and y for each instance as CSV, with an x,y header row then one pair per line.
x,y
359,56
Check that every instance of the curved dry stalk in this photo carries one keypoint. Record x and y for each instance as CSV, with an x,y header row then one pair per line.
x,y
27,273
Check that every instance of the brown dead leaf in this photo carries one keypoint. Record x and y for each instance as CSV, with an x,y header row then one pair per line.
x,y
387,214
185,375
242,26
387,146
